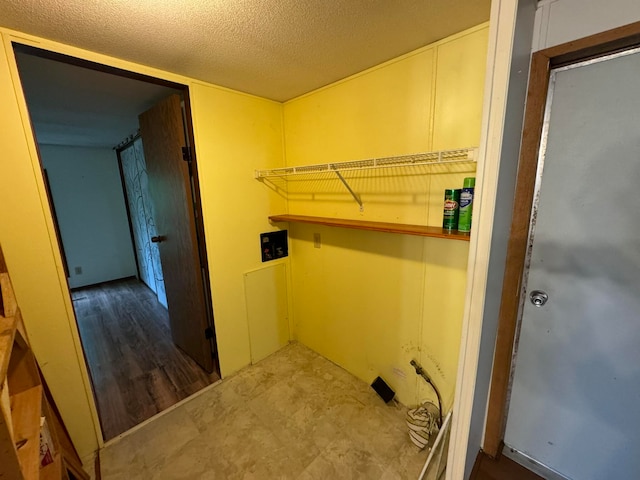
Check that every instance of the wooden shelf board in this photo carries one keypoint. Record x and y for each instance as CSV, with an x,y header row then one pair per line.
x,y
26,408
3,264
9,467
7,298
53,471
23,373
420,230
7,335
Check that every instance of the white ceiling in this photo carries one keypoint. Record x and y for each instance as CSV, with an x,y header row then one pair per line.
x,y
277,49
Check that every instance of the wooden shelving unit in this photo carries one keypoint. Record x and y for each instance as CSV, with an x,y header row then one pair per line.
x,y
26,408
53,471
420,230
24,403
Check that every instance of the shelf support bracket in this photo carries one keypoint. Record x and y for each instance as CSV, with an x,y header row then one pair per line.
x,y
355,196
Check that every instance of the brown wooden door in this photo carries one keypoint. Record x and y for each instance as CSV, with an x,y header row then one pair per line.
x,y
163,137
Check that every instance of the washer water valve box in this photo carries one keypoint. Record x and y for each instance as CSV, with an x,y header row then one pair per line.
x,y
274,245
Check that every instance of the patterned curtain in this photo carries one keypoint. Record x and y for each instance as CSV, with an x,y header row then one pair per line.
x,y
142,219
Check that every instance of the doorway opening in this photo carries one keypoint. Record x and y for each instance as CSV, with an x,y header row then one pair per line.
x,y
116,150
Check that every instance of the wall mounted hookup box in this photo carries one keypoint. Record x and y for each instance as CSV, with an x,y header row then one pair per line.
x,y
274,245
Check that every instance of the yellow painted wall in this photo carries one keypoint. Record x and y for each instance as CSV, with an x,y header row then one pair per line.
x,y
25,231
372,301
369,301
234,133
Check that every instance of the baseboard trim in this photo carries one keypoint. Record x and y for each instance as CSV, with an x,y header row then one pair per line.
x,y
532,464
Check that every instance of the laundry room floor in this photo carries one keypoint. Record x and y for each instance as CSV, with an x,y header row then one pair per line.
x,y
293,415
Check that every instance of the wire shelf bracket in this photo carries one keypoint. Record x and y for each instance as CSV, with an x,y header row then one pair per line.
x,y
442,157
355,196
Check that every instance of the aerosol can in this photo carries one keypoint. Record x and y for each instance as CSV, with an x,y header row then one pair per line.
x,y
466,205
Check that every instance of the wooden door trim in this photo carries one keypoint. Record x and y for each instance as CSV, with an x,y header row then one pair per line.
x,y
542,62
91,65
199,225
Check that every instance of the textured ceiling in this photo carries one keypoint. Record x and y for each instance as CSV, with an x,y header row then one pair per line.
x,y
277,49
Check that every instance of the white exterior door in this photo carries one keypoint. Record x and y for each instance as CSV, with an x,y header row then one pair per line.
x,y
575,401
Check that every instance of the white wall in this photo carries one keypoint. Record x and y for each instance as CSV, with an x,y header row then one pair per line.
x,y
560,21
87,193
510,150
511,32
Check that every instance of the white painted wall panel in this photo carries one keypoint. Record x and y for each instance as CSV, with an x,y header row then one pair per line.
x,y
87,192
562,21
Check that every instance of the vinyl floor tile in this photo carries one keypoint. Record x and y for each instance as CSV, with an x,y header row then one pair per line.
x,y
294,415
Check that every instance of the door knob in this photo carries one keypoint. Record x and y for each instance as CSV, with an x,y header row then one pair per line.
x,y
538,297
158,239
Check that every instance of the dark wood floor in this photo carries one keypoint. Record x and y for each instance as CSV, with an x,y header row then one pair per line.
x,y
135,368
502,468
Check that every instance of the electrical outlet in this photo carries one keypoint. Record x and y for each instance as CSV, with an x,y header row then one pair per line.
x,y
316,240
78,270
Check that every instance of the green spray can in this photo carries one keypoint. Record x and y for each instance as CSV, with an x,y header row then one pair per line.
x,y
466,205
451,203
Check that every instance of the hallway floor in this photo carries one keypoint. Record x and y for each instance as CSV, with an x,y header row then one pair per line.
x,y
135,368
502,468
294,415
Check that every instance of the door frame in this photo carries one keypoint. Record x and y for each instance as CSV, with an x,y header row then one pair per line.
x,y
196,220
542,62
48,51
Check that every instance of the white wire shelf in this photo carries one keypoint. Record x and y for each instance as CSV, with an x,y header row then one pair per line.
x,y
416,159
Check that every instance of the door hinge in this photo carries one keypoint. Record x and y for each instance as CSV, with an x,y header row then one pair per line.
x,y
208,333
186,154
